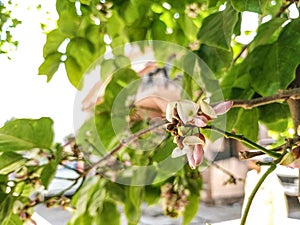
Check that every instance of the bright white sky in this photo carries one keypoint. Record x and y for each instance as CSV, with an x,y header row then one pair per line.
x,y
24,94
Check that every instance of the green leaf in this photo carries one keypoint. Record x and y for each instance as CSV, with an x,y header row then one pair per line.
x,y
113,30
54,40
3,182
133,203
82,219
247,124
115,191
48,173
249,5
88,200
273,112
6,206
191,209
69,21
109,215
268,32
107,68
82,51
217,28
273,66
123,81
158,30
10,162
74,71
213,3
26,134
217,59
188,26
50,65
85,2
274,116
14,220
152,195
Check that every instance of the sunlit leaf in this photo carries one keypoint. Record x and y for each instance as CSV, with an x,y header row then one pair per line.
x,y
50,65
54,40
74,71
10,161
26,134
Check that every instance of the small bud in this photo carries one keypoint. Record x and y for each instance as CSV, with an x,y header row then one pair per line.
x,y
288,159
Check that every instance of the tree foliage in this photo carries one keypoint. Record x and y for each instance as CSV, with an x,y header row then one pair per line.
x,y
7,24
86,30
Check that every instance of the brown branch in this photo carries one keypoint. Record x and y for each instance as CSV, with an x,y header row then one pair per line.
x,y
284,7
283,95
123,143
241,52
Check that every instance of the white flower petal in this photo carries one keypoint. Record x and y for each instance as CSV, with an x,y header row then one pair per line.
x,y
177,152
191,160
192,140
187,110
207,109
170,111
223,107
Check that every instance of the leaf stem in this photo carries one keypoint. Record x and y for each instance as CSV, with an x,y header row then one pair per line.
x,y
245,140
250,199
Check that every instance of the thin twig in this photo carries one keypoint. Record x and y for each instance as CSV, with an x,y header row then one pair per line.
x,y
225,171
240,53
283,95
257,186
123,143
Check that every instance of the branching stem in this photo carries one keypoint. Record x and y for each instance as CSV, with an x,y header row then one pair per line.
x,y
123,143
253,193
244,140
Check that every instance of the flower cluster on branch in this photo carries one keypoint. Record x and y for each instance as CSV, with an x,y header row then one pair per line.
x,y
183,117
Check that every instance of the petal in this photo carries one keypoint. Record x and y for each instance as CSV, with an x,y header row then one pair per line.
x,y
207,109
191,159
198,154
170,111
200,121
177,152
223,107
187,110
295,164
192,140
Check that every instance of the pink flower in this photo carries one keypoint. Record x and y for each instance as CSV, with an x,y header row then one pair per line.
x,y
194,114
192,148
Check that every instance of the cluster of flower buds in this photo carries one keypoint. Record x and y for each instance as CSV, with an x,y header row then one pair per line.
x,y
174,199
185,115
